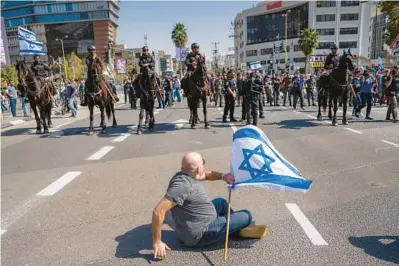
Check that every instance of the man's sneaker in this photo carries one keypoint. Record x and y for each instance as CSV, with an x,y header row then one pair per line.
x,y
233,120
256,231
261,116
369,118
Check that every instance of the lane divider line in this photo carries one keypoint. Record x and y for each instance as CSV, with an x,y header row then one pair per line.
x,y
306,225
311,116
58,184
353,130
391,143
17,122
121,137
100,153
2,232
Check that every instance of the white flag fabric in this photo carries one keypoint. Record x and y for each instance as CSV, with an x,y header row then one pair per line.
x,y
28,45
255,162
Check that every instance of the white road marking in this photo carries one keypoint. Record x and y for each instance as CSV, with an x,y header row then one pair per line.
x,y
58,184
311,116
17,122
353,130
233,127
391,143
220,109
10,218
100,153
327,122
297,112
2,232
283,107
306,225
121,138
179,124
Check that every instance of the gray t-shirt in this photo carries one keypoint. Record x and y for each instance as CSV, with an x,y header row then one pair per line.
x,y
193,211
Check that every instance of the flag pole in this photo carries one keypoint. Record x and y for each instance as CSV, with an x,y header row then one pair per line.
x,y
227,228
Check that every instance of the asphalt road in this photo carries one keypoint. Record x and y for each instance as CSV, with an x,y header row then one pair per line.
x,y
73,199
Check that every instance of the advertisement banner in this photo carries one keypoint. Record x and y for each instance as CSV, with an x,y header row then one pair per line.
x,y
121,65
4,55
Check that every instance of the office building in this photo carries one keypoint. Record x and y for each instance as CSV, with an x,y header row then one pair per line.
x,y
84,22
260,32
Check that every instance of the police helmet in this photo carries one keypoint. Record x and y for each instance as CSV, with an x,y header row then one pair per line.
x,y
334,46
194,45
145,48
91,48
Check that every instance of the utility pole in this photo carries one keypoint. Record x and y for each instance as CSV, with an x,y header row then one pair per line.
x,y
233,36
145,40
215,54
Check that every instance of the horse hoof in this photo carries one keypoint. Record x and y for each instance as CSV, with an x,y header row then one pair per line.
x,y
38,131
335,123
46,131
139,132
207,126
50,125
114,125
90,132
192,126
319,118
344,122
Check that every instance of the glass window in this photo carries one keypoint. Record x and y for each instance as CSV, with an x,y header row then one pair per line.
x,y
68,7
327,17
349,3
300,59
43,9
266,51
271,27
325,45
252,53
17,12
346,31
347,45
8,4
326,31
348,17
98,15
322,3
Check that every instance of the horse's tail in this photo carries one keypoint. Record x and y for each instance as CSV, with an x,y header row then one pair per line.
x,y
108,110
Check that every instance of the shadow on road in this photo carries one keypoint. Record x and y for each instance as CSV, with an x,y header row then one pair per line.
x,y
296,124
137,243
381,247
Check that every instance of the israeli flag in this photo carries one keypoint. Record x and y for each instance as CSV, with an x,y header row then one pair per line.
x,y
28,45
380,63
255,162
255,65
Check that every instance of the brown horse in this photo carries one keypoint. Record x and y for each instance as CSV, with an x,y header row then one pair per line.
x,y
38,96
99,94
196,88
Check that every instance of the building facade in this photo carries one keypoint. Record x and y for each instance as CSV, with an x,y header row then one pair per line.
x,y
84,22
260,32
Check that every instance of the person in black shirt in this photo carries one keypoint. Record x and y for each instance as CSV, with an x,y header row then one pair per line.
x,y
276,89
230,96
167,86
392,92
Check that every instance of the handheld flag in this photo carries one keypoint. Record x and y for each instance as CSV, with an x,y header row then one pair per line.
x,y
28,45
255,162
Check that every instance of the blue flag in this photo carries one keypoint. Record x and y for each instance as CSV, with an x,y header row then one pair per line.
x,y
255,162
380,64
28,44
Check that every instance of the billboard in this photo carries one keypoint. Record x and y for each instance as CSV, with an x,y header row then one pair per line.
x,y
4,54
120,65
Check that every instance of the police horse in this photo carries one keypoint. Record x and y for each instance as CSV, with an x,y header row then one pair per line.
x,y
39,96
148,87
99,94
334,87
196,88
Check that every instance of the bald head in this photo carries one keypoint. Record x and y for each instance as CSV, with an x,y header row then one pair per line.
x,y
190,163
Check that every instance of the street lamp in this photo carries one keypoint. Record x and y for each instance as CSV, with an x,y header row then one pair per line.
x,y
63,53
286,34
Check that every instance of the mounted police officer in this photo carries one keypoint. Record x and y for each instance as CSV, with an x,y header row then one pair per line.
x,y
146,63
41,71
332,60
254,91
191,62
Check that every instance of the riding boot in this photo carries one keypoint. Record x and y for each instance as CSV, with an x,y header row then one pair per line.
x,y
84,100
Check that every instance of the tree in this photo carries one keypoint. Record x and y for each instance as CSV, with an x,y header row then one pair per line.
x,y
75,67
391,10
8,74
179,36
308,41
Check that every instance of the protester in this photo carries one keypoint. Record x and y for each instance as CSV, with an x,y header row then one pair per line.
x,y
199,222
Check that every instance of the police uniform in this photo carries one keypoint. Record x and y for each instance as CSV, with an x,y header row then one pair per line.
x,y
393,98
219,87
310,87
332,60
190,59
41,72
253,91
129,90
92,76
167,88
146,59
229,99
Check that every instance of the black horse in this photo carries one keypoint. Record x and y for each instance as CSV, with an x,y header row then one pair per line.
x,y
39,95
196,88
334,87
148,87
99,94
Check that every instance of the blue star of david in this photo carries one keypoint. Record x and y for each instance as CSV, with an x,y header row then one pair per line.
x,y
256,173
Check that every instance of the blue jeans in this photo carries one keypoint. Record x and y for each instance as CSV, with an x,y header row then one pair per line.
x,y
177,94
24,105
13,107
356,101
216,230
366,99
3,107
72,106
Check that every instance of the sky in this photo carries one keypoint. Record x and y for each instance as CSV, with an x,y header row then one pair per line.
x,y
205,21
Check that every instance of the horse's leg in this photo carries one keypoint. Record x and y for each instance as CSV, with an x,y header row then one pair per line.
x,y
103,123
90,104
204,100
319,103
114,124
43,118
151,114
330,103
344,108
194,106
48,110
334,120
37,117
139,127
147,118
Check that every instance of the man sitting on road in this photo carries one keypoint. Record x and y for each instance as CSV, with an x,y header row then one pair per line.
x,y
198,221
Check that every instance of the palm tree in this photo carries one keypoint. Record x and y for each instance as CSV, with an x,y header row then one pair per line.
x,y
179,36
308,41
